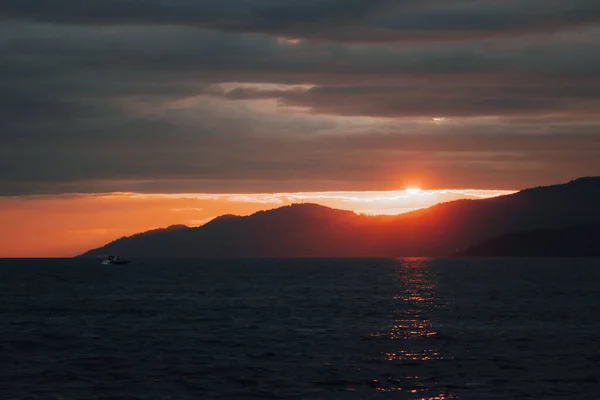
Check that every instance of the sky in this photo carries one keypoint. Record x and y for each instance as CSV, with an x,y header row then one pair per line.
x,y
115,113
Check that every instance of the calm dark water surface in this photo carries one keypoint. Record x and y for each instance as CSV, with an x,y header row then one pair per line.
x,y
300,329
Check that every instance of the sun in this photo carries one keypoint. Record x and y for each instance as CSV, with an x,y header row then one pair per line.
x,y
413,190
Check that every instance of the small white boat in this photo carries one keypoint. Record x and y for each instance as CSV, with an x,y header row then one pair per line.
x,y
115,260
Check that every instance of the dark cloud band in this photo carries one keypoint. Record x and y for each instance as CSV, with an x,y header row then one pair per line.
x,y
331,20
106,95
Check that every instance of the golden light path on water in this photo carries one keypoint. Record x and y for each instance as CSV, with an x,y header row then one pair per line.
x,y
411,332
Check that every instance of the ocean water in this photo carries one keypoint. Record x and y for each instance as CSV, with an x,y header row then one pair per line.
x,y
300,329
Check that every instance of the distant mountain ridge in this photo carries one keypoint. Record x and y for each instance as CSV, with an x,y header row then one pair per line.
x,y
573,241
170,228
310,230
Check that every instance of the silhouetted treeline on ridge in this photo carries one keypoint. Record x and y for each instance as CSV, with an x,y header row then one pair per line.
x,y
310,230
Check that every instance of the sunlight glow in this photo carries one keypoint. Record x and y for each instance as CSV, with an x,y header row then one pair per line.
x,y
287,40
67,224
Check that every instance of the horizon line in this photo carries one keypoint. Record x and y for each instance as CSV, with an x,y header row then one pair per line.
x,y
174,194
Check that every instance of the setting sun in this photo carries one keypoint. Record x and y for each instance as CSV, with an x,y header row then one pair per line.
x,y
413,190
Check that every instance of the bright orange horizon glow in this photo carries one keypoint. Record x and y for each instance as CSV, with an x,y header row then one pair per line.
x,y
70,224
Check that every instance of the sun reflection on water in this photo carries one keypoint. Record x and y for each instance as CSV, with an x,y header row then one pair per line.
x,y
420,355
412,336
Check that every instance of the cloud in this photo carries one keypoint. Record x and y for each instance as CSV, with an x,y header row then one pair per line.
x,y
424,99
333,20
109,74
199,96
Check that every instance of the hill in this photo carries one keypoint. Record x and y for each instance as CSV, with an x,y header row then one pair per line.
x,y
310,230
574,241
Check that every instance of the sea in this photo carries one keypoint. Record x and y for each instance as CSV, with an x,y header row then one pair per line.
x,y
413,328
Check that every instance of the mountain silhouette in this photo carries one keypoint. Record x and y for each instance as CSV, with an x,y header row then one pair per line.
x,y
310,230
573,241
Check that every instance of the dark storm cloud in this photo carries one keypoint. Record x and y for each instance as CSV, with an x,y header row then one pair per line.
x,y
337,20
179,58
68,72
98,96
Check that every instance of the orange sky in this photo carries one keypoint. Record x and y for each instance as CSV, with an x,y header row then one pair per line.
x,y
66,225
185,96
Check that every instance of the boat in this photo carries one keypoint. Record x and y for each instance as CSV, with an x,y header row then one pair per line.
x,y
115,260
